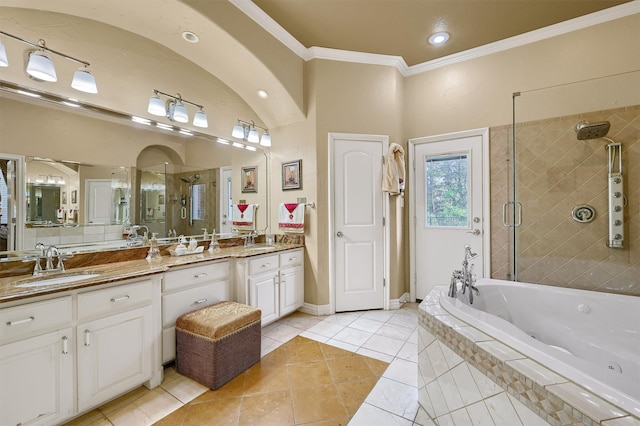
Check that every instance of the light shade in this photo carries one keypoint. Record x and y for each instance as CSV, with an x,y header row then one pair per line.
x,y
238,131
41,67
253,136
200,119
265,140
156,106
179,113
84,81
4,62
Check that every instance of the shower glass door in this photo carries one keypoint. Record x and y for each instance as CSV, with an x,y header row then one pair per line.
x,y
558,210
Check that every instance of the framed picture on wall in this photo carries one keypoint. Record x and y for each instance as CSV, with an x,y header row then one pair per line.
x,y
74,196
64,197
292,175
249,179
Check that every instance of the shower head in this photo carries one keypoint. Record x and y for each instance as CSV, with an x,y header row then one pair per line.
x,y
586,130
190,179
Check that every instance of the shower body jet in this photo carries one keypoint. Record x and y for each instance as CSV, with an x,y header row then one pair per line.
x,y
587,131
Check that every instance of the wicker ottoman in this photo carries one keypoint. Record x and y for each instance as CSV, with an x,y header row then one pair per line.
x,y
216,343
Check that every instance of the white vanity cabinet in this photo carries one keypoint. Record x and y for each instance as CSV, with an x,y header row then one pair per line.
x,y
272,282
187,289
37,363
116,341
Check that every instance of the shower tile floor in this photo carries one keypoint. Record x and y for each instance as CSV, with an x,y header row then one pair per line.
x,y
322,386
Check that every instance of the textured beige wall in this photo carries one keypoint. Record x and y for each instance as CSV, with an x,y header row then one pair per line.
x,y
353,98
477,93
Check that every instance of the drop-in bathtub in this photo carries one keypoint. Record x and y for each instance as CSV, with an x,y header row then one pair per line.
x,y
591,338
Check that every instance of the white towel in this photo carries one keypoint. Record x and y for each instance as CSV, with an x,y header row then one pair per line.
x,y
393,173
244,217
291,217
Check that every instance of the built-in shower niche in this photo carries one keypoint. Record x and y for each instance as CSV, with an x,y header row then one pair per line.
x,y
557,169
178,198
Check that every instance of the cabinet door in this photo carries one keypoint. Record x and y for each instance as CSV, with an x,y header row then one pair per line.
x,y
291,290
115,354
265,296
40,371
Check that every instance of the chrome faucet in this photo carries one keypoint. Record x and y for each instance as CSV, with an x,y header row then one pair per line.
x,y
465,276
133,239
49,253
250,238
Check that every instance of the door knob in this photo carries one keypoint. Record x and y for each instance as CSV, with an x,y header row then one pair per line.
x,y
474,232
339,234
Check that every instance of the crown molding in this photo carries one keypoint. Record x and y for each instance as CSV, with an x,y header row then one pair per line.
x,y
273,28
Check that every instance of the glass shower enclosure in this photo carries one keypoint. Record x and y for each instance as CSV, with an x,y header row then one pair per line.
x,y
573,213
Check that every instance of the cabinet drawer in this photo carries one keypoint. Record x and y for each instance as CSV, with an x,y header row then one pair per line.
x,y
30,318
193,275
181,302
114,299
263,264
291,258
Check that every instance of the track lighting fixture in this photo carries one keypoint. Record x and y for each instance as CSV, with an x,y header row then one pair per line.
x,y
175,110
247,130
40,67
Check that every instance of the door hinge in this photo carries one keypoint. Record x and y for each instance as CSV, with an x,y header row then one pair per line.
x,y
383,160
384,221
384,282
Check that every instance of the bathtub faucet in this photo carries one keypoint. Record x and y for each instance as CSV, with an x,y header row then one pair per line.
x,y
464,276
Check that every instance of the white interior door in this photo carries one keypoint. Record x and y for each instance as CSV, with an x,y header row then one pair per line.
x,y
358,216
450,193
225,200
99,200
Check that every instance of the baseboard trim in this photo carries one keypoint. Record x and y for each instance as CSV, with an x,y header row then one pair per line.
x,y
397,303
318,310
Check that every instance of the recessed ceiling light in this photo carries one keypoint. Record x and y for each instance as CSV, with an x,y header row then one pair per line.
x,y
438,38
190,37
263,94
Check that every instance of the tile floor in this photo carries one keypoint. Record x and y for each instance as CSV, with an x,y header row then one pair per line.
x,y
388,336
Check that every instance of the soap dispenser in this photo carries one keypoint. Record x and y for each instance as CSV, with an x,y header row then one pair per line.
x,y
154,251
213,245
193,244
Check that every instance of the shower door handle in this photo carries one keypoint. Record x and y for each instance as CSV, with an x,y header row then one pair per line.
x,y
517,214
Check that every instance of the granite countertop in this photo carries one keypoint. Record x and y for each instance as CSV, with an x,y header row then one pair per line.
x,y
123,270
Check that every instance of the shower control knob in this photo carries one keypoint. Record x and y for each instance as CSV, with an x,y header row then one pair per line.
x,y
618,222
617,194
618,237
617,180
617,208
474,232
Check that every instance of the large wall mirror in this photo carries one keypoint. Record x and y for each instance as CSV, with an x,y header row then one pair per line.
x,y
80,203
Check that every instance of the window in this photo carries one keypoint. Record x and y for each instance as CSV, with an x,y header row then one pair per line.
x,y
447,190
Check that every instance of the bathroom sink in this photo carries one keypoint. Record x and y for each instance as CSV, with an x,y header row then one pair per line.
x,y
259,248
58,279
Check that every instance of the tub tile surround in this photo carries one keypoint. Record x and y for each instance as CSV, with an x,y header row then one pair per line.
x,y
556,172
465,374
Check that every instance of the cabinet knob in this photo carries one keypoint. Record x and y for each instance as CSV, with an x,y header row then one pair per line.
x,y
199,302
65,345
87,338
120,299
202,275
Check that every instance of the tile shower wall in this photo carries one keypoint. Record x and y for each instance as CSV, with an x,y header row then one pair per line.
x,y
555,173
